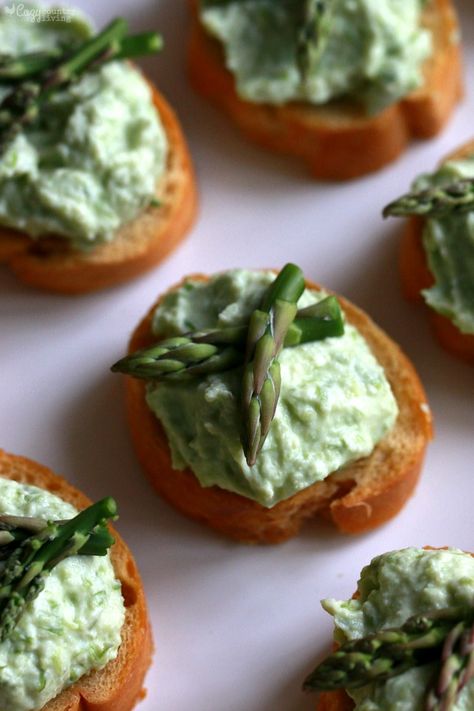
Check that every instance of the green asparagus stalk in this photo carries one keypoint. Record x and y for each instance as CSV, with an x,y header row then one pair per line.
x,y
23,105
15,529
312,323
457,668
25,570
266,334
178,358
438,201
215,350
445,636
14,68
28,523
139,45
316,322
312,34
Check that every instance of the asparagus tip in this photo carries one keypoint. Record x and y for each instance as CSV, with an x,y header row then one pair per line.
x,y
108,506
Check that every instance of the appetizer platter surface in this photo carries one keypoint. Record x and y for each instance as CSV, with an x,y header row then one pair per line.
x,y
239,627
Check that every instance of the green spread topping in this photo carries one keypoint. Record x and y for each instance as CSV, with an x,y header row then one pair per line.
x,y
335,403
73,625
435,586
446,198
317,50
91,148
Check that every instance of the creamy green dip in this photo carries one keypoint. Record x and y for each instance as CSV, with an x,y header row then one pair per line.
x,y
72,627
369,50
394,587
449,246
335,402
92,162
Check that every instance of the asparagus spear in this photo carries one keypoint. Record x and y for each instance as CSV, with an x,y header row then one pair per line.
x,y
457,668
266,334
19,67
26,569
316,322
139,45
28,523
178,357
312,34
23,105
215,350
438,201
445,635
14,529
15,68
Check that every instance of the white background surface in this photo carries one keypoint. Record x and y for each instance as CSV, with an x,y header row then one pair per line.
x,y
236,628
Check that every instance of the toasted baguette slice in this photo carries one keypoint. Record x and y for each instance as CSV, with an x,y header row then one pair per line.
x,y
415,276
338,140
119,686
51,264
335,701
356,498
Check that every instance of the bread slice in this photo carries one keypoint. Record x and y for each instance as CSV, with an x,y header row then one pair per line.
x,y
338,140
415,276
357,498
335,701
51,264
119,686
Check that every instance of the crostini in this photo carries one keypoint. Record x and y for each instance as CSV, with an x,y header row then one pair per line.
x,y
437,252
96,181
87,624
309,79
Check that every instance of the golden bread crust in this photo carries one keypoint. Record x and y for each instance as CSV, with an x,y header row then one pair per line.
x,y
356,498
51,264
415,276
119,686
339,141
334,701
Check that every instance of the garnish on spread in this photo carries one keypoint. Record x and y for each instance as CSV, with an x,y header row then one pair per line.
x,y
426,663
261,386
218,349
445,637
452,198
257,346
35,77
446,199
31,547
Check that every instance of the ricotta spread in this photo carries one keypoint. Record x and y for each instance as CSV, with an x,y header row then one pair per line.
x,y
368,50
